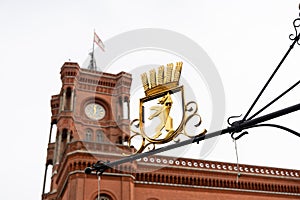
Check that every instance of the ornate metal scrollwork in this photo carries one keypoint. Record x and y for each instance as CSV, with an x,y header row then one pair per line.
x,y
296,24
193,115
141,142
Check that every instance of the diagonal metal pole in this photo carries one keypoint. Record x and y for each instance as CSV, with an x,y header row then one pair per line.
x,y
238,126
271,77
274,100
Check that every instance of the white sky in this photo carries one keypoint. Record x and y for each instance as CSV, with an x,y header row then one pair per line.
x,y
245,40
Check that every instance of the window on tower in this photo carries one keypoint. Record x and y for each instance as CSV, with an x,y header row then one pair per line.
x,y
88,135
68,99
125,110
103,197
120,140
100,136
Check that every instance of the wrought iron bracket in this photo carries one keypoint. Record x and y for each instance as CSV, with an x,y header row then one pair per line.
x,y
234,128
99,167
296,24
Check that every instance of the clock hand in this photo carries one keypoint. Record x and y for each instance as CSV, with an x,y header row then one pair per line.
x,y
95,110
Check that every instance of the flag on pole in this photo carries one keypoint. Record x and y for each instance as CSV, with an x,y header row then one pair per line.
x,y
98,41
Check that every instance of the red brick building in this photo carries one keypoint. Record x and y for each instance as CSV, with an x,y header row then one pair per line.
x,y
91,116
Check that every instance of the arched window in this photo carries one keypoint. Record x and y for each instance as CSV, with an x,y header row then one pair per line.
x,y
88,135
63,143
64,134
53,130
126,140
103,197
48,179
68,99
100,136
126,108
120,140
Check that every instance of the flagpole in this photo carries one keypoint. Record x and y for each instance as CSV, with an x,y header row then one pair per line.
x,y
98,41
93,67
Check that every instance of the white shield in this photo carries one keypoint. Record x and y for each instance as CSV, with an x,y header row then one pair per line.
x,y
162,115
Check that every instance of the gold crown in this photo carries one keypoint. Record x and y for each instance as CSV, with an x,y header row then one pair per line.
x,y
165,79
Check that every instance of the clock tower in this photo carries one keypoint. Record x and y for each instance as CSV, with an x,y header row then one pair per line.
x,y
91,117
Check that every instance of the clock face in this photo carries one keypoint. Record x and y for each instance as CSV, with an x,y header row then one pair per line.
x,y
94,111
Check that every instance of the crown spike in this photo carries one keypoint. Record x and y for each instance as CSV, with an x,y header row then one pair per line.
x,y
160,75
168,77
177,71
145,81
152,78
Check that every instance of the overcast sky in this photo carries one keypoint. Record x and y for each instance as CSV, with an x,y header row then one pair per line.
x,y
244,39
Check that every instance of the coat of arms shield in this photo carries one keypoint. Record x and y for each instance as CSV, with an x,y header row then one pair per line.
x,y
162,115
